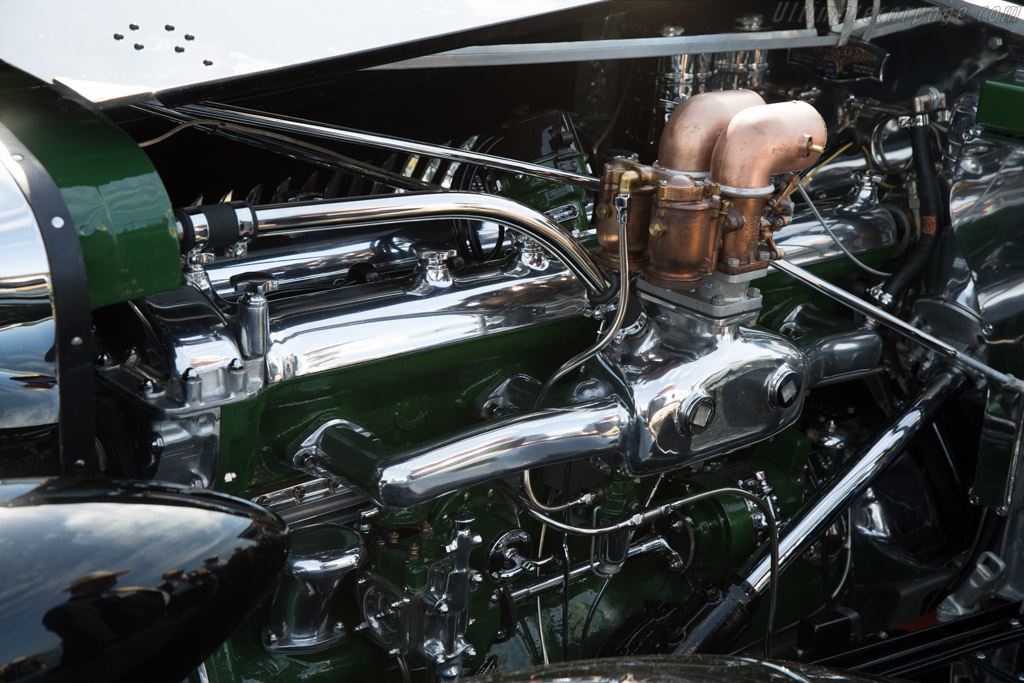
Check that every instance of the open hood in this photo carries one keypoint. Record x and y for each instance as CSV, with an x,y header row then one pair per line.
x,y
120,51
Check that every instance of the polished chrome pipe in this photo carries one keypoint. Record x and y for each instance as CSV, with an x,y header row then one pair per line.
x,y
892,322
323,130
398,208
857,474
404,479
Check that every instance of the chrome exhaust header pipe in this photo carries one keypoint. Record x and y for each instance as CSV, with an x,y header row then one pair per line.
x,y
402,479
288,219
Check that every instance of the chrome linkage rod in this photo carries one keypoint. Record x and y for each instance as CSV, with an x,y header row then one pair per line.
x,y
294,126
897,325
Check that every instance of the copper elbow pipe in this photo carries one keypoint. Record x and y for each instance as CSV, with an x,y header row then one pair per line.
x,y
762,141
693,129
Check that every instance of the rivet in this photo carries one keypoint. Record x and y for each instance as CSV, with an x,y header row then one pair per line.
x,y
76,341
57,222
207,62
17,157
189,36
79,463
139,46
134,27
118,36
179,49
168,27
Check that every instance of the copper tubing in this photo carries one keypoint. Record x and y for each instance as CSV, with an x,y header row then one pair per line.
x,y
758,143
693,129
762,141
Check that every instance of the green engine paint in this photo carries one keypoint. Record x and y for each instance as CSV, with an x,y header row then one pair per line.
x,y
119,205
1000,102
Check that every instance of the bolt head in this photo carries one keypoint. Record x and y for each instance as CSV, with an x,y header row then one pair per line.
x,y
696,416
732,262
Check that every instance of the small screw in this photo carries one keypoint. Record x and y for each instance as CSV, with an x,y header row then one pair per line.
x,y
271,639
57,222
732,262
17,157
76,341
157,444
995,42
753,292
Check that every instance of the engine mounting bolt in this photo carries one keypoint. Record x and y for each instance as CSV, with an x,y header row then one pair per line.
x,y
718,300
753,292
656,229
393,536
271,639
157,444
995,42
414,550
732,262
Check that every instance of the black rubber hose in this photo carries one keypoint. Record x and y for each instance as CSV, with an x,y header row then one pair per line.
x,y
932,213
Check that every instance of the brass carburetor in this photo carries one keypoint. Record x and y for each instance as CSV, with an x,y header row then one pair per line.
x,y
701,206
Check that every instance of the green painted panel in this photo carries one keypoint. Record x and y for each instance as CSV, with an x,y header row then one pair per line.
x,y
119,204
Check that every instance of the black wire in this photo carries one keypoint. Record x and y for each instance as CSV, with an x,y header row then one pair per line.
x,y
403,667
591,613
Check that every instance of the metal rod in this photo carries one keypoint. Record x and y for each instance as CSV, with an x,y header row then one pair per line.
x,y
585,569
286,146
399,208
323,130
895,324
857,474
634,48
